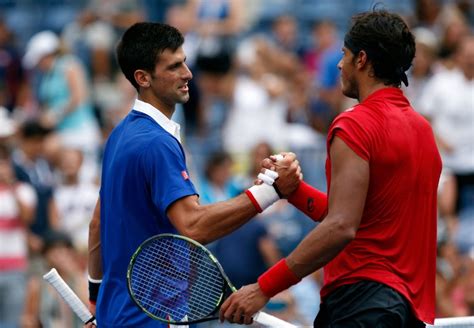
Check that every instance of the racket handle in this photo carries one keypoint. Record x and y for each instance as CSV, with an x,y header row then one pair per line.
x,y
69,296
271,321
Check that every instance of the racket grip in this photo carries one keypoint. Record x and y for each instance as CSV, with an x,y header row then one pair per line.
x,y
271,321
69,296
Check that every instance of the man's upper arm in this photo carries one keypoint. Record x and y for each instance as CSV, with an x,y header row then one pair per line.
x,y
182,213
349,184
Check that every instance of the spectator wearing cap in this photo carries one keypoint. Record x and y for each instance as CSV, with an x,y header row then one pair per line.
x,y
63,93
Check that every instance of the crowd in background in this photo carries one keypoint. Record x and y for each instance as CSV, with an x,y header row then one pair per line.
x,y
265,80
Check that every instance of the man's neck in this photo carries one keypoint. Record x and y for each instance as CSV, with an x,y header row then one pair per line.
x,y
369,87
166,110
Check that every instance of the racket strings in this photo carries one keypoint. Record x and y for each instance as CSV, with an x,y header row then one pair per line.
x,y
174,278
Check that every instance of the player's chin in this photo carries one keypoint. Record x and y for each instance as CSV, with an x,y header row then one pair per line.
x,y
348,90
183,98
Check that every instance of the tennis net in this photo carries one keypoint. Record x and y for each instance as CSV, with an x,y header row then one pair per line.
x,y
458,322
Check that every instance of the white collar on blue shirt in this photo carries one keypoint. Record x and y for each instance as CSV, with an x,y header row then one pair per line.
x,y
170,126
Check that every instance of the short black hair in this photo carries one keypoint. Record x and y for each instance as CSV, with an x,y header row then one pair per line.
x,y
54,238
141,46
215,160
218,64
388,42
34,129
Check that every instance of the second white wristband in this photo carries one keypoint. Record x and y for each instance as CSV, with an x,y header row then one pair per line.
x,y
264,195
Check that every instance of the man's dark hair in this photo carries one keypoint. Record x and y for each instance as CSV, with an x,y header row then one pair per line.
x,y
32,129
218,64
388,42
215,160
141,46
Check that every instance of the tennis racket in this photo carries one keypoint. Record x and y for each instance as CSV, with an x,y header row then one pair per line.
x,y
175,279
69,296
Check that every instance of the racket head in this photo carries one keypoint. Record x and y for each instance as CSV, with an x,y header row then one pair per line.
x,y
175,279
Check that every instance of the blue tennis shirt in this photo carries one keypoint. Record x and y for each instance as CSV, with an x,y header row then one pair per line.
x,y
143,173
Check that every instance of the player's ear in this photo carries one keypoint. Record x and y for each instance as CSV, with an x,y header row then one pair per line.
x,y
361,59
143,78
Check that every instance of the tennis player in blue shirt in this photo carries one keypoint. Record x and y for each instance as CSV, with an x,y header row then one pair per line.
x,y
146,189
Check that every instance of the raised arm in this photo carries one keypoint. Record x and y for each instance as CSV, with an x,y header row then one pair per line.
x,y
348,190
206,223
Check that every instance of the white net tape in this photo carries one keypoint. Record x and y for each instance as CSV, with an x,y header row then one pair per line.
x,y
459,322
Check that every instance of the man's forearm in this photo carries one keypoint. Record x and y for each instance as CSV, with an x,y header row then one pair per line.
x,y
95,257
310,201
210,222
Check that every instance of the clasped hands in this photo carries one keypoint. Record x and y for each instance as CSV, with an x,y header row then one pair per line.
x,y
283,172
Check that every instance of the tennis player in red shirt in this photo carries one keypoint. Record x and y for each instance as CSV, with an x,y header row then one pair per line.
x,y
377,238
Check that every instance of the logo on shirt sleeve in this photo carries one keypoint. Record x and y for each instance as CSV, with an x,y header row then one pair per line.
x,y
185,175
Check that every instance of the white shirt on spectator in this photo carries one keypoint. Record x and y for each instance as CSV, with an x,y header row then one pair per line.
x,y
13,245
75,205
448,100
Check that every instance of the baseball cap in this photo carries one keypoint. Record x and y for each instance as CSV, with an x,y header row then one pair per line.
x,y
41,44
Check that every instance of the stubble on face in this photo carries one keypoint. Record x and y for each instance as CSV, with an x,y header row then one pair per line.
x,y
349,84
350,88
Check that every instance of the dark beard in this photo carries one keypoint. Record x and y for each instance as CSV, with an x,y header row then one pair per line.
x,y
352,89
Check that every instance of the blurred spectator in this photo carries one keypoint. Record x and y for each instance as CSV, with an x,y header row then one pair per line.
x,y
284,35
7,125
64,94
328,99
467,287
43,306
18,201
31,167
453,28
253,165
448,273
120,14
447,198
451,112
422,69
324,39
92,40
218,183
11,72
241,103
218,23
427,12
69,213
256,251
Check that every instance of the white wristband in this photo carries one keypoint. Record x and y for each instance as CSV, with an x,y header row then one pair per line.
x,y
262,196
265,178
271,174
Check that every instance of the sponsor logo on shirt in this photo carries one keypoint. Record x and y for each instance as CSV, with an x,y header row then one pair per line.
x,y
185,175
